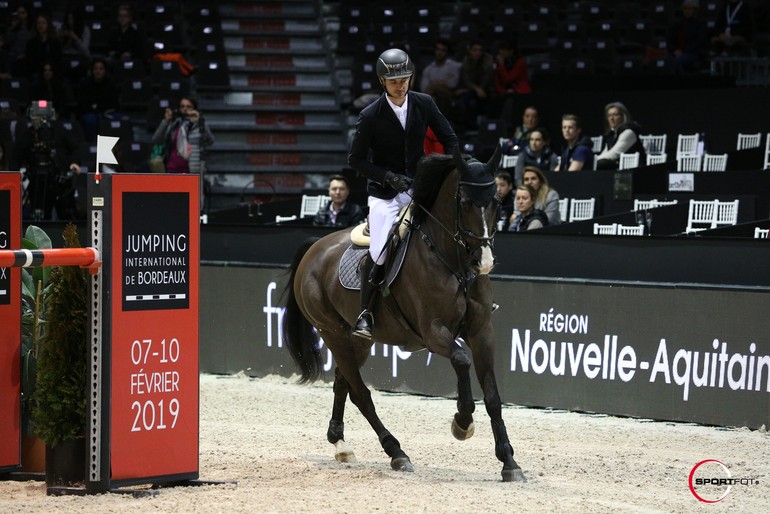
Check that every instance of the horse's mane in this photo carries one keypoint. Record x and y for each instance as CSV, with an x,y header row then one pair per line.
x,y
431,173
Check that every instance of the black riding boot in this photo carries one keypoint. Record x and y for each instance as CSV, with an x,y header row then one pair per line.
x,y
370,282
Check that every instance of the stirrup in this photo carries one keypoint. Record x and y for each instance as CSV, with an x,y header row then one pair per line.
x,y
363,328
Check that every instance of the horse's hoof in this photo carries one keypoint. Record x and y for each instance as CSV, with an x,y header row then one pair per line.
x,y
401,464
513,475
343,452
461,434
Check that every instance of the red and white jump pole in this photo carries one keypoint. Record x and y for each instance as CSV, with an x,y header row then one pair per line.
x,y
84,257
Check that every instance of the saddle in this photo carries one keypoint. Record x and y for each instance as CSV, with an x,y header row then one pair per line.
x,y
350,262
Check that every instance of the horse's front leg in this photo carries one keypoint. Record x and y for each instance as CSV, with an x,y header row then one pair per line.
x,y
462,423
483,359
336,432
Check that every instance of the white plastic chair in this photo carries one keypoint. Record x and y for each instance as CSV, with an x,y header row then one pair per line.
x,y
581,209
715,162
656,158
605,230
509,161
689,163
628,161
761,233
630,230
749,141
643,205
654,144
311,204
686,145
766,165
563,209
281,219
597,142
711,214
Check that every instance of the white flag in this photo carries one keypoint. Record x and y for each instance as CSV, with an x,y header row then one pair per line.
x,y
104,155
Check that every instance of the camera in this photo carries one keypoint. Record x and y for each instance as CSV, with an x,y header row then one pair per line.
x,y
179,114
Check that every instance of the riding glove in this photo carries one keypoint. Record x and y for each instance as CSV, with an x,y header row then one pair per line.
x,y
397,181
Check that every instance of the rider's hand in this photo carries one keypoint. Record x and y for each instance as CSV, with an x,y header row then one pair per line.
x,y
397,181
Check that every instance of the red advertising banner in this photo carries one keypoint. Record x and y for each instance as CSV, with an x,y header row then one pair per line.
x,y
154,326
10,323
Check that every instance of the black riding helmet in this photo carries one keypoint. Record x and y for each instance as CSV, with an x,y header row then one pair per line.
x,y
394,63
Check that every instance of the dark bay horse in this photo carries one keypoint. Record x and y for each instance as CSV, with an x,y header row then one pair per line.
x,y
443,292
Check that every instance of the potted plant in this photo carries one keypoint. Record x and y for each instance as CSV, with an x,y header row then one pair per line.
x,y
34,293
59,411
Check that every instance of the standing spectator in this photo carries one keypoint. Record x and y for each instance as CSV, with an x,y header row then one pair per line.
x,y
184,136
42,46
531,217
686,40
75,34
125,42
439,79
578,151
505,193
97,97
537,153
735,28
49,86
530,119
511,80
621,136
477,82
16,38
339,212
546,199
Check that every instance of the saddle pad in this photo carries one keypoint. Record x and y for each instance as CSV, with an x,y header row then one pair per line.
x,y
348,269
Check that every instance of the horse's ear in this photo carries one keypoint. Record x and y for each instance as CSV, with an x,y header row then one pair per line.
x,y
459,161
494,161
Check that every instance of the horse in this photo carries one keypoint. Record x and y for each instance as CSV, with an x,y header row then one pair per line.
x,y
442,294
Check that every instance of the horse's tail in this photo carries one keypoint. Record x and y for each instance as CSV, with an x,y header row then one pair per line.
x,y
298,334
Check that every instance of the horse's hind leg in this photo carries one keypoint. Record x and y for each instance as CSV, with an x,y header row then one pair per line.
x,y
462,424
336,433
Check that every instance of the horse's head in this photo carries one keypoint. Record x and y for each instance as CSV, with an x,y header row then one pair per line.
x,y
477,206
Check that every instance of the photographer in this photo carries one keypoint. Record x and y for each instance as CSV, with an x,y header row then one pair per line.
x,y
184,134
49,153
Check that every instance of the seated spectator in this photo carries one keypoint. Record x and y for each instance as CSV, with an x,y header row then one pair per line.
x,y
42,46
578,153
75,34
505,193
440,78
97,96
511,80
546,199
622,136
339,212
537,153
16,38
125,42
735,29
49,86
477,82
686,39
531,218
530,119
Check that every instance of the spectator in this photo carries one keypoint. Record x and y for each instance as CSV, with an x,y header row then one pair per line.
x,y
537,153
735,28
530,119
477,82
578,151
339,213
511,80
49,86
75,34
546,199
16,38
42,46
185,135
440,78
686,40
531,217
5,60
621,136
125,42
97,97
505,193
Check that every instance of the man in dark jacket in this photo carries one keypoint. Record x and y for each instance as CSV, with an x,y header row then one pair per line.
x,y
386,147
578,151
339,212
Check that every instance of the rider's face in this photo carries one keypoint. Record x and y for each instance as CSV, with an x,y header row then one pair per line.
x,y
397,88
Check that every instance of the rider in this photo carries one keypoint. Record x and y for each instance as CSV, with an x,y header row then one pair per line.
x,y
386,147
